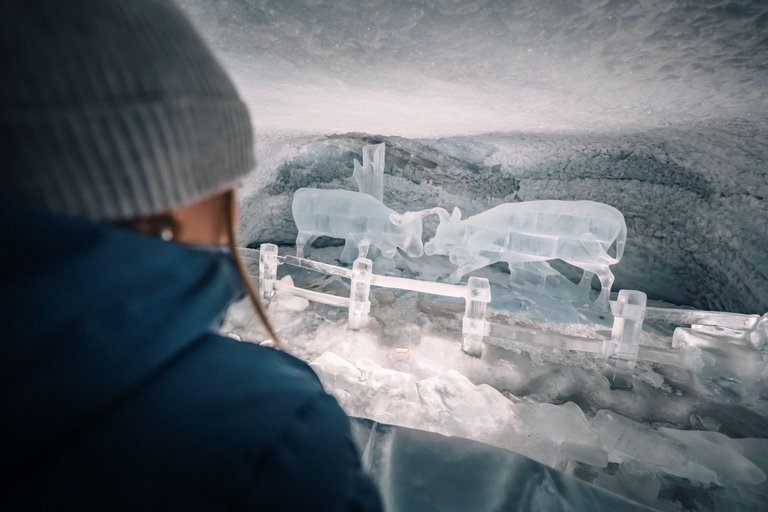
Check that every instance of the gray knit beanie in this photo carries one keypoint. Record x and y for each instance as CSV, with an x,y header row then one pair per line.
x,y
113,109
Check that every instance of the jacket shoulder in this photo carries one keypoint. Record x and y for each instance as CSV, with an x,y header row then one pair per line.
x,y
235,424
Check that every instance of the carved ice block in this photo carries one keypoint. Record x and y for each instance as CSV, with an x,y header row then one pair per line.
x,y
359,293
473,324
628,315
267,271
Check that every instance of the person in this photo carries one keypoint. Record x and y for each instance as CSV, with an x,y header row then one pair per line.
x,y
121,142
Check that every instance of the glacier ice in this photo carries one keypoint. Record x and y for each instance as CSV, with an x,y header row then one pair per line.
x,y
581,233
626,438
719,454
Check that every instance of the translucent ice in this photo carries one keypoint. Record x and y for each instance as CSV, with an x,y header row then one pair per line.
x,y
565,426
466,410
340,378
720,454
581,233
625,438
394,396
559,423
370,175
628,311
360,219
731,358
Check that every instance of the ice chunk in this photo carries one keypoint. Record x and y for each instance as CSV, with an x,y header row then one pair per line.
x,y
360,219
370,175
560,423
625,438
465,409
721,356
585,453
337,374
284,299
564,425
581,233
718,453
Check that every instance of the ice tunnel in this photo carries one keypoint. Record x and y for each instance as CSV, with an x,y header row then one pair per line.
x,y
657,108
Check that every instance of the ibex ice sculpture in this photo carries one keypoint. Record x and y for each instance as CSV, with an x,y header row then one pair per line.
x,y
358,218
578,232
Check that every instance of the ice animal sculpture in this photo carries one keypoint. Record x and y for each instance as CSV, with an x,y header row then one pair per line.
x,y
578,232
360,219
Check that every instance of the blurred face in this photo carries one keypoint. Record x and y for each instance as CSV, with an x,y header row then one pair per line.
x,y
203,222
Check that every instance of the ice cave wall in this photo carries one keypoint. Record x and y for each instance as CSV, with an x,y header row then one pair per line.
x,y
655,107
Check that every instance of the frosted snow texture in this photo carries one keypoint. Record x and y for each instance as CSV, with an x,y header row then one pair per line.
x,y
360,219
580,233
447,67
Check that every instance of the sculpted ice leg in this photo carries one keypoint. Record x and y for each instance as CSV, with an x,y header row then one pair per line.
x,y
466,269
606,282
586,279
362,249
350,252
305,238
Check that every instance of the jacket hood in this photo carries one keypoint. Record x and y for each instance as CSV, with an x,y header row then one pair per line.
x,y
90,313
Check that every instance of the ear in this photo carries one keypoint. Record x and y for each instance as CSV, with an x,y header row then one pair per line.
x,y
396,219
456,215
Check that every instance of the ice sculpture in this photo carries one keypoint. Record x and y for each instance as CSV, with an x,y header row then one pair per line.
x,y
580,233
370,175
359,218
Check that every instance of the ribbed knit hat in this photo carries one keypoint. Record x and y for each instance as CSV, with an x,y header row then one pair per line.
x,y
113,109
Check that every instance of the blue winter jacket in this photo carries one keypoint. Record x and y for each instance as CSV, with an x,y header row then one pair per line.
x,y
116,393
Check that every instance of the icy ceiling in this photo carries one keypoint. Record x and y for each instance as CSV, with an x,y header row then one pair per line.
x,y
656,107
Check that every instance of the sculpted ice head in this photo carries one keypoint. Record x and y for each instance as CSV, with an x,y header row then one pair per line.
x,y
409,229
449,236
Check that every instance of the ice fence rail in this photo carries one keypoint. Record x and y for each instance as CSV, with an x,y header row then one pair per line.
x,y
691,348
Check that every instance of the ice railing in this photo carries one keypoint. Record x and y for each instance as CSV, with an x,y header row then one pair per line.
x,y
727,343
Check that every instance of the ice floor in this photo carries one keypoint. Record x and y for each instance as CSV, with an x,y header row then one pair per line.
x,y
554,406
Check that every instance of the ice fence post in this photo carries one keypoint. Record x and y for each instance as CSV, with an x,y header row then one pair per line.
x,y
473,324
359,293
267,271
628,315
